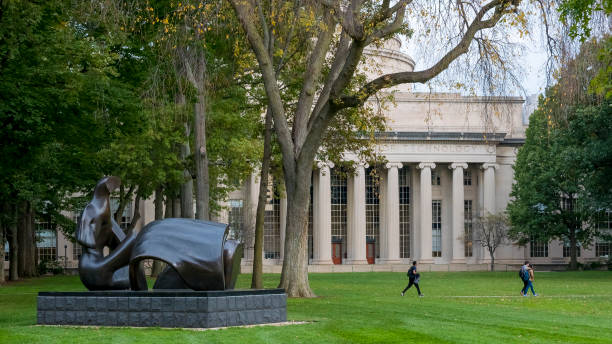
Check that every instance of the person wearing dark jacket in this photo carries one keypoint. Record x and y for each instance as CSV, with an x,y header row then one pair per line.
x,y
413,278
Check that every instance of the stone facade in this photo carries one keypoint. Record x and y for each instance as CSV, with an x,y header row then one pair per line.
x,y
162,308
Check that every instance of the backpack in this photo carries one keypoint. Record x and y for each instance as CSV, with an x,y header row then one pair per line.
x,y
523,274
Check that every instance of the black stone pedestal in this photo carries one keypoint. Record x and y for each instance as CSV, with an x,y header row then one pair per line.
x,y
164,308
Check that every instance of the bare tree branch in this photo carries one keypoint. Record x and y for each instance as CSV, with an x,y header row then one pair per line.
x,y
311,76
244,11
478,23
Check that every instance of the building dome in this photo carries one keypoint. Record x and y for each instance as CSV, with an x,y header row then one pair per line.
x,y
387,58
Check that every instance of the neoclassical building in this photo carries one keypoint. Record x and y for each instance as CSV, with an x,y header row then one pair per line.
x,y
449,160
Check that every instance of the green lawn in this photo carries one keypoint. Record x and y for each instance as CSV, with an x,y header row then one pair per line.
x,y
475,307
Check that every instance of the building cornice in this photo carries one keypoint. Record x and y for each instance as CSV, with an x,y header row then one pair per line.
x,y
394,136
420,97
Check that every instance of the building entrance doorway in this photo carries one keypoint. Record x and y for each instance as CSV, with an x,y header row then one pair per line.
x,y
337,253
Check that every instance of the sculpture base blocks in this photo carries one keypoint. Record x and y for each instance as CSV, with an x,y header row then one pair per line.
x,y
165,308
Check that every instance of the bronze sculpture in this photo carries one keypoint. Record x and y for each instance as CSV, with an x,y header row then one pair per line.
x,y
198,253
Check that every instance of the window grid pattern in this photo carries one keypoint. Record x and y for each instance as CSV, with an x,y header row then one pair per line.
x,y
467,177
372,185
436,228
404,212
468,228
566,249
77,251
310,223
126,217
567,203
435,177
538,248
338,206
272,226
602,247
236,219
46,240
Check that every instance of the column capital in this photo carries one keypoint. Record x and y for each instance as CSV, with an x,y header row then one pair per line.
x,y
487,165
361,163
455,165
324,164
397,165
429,165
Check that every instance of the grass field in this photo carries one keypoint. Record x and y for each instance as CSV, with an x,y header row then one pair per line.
x,y
474,307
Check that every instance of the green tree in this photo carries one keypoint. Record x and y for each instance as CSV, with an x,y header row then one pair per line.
x,y
562,172
335,35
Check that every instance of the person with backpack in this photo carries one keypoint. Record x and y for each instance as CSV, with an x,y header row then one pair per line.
x,y
413,278
524,275
530,281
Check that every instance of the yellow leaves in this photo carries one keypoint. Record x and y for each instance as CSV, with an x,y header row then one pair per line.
x,y
165,21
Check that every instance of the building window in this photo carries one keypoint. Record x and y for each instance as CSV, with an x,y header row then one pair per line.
x,y
566,249
46,240
568,203
404,212
338,208
236,219
468,226
435,177
6,252
272,225
77,251
310,222
372,186
126,217
467,177
538,248
603,247
436,228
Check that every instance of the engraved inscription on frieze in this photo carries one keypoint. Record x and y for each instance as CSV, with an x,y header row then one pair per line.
x,y
442,148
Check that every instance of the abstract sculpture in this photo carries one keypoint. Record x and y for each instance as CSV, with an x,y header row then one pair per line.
x,y
198,253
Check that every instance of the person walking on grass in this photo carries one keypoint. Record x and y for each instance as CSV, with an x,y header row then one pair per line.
x,y
530,281
413,278
524,275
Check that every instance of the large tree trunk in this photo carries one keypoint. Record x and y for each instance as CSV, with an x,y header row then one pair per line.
x,y
294,276
187,187
573,253
136,215
201,160
2,241
26,236
124,199
257,279
13,247
159,214
168,213
176,207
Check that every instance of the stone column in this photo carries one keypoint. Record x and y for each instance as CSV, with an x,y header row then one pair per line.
x,y
489,188
389,236
356,236
457,224
321,203
283,224
425,198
